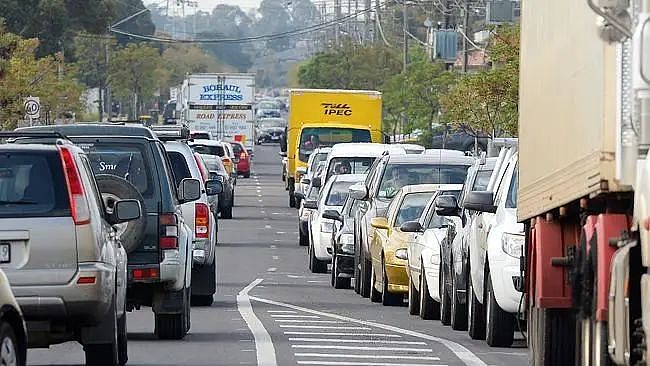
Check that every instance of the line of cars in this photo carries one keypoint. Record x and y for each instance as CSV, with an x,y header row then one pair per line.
x,y
433,230
97,220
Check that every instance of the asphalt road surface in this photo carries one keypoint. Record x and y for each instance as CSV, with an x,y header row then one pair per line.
x,y
270,310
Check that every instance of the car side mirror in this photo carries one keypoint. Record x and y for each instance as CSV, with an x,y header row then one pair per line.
x,y
299,195
123,211
312,205
482,201
305,181
379,223
213,187
189,190
447,205
332,215
358,191
411,227
316,182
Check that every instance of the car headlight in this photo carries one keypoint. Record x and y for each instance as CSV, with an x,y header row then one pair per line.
x,y
512,244
401,253
326,227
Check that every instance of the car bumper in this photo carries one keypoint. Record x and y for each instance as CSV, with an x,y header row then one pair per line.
x,y
84,304
172,268
398,280
201,252
504,274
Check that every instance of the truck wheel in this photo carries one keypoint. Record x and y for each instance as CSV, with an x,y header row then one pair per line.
x,y
429,308
475,314
552,336
445,300
11,354
375,296
499,325
458,310
173,326
105,354
113,189
414,299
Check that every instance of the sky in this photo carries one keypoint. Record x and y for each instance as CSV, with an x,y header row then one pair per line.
x,y
208,5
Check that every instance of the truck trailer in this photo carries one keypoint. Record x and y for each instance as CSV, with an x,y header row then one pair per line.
x,y
584,181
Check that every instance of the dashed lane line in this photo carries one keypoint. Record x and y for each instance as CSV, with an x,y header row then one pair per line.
x,y
345,334
413,343
347,363
361,348
303,321
265,352
323,327
295,316
387,357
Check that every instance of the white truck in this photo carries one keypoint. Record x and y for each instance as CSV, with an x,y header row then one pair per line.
x,y
221,103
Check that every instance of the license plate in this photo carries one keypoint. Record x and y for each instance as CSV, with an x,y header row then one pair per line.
x,y
5,253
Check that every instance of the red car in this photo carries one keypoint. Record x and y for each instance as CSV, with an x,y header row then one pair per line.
x,y
242,158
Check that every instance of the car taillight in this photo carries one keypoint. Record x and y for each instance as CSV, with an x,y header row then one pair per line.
x,y
226,160
168,231
78,205
204,175
201,220
143,274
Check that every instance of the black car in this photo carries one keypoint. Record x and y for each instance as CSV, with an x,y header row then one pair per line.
x,y
227,195
130,162
460,140
343,248
269,130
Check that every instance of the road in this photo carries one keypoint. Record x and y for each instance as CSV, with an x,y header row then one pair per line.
x,y
270,310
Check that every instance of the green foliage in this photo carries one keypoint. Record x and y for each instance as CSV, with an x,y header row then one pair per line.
x,y
23,74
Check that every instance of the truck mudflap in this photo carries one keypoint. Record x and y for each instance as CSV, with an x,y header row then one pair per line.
x,y
618,319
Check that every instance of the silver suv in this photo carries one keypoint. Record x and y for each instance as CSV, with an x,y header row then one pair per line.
x,y
59,250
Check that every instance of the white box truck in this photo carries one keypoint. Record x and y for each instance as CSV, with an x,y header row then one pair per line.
x,y
221,103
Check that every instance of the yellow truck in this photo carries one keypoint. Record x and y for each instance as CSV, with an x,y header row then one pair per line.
x,y
325,117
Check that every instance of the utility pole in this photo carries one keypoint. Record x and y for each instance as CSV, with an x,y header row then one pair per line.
x,y
405,50
466,32
337,25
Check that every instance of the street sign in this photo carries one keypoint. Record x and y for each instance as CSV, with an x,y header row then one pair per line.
x,y
33,108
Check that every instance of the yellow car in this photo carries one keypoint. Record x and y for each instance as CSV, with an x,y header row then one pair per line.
x,y
388,247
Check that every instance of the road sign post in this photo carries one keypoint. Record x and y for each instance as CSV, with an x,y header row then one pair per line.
x,y
32,109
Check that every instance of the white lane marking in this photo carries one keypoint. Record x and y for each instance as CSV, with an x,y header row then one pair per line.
x,y
308,321
267,226
259,195
346,363
272,269
388,357
275,257
277,240
280,232
313,281
282,311
265,352
345,334
262,212
273,247
413,343
362,348
295,316
459,350
323,327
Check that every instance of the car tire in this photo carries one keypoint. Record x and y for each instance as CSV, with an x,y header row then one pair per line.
x,y
375,296
303,239
247,175
366,277
458,310
122,340
173,326
388,298
114,188
445,300
292,200
429,308
357,276
499,324
226,212
414,299
475,314
105,354
11,353
317,265
339,282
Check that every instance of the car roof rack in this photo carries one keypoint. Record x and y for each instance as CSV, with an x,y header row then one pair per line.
x,y
171,132
41,137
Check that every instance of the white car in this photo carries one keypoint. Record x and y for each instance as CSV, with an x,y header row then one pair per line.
x,y
200,219
319,155
356,157
495,264
424,256
332,197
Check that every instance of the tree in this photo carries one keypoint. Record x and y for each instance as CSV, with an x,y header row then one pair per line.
x,y
135,72
22,75
92,63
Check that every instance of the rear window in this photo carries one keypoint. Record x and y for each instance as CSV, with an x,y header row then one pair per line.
x,y
209,150
338,193
397,176
125,160
358,165
482,180
213,164
412,207
179,167
32,185
200,135
237,149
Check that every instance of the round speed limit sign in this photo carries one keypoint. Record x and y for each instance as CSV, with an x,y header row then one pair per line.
x,y
32,107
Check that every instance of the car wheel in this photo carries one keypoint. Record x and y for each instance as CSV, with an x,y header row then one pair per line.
x,y
414,299
122,340
105,353
317,265
445,301
357,275
458,310
429,308
114,189
10,354
366,277
499,324
247,175
303,239
375,296
172,326
339,282
388,298
292,199
475,314
226,212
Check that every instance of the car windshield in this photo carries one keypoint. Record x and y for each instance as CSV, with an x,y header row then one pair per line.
x,y
209,150
511,201
32,185
397,176
482,180
358,165
313,138
268,105
127,161
320,157
271,123
338,193
412,207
